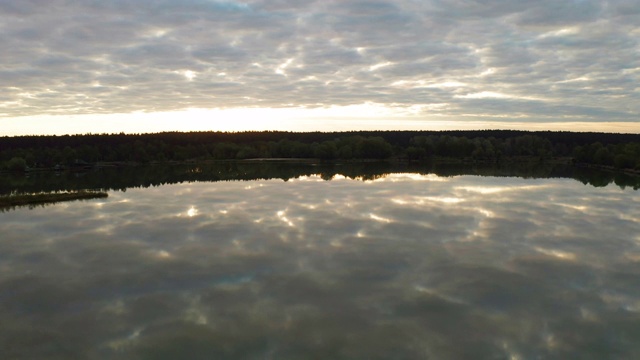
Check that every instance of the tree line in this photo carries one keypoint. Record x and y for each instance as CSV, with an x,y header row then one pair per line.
x,y
602,149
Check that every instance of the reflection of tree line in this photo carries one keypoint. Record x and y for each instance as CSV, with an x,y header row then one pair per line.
x,y
614,150
122,178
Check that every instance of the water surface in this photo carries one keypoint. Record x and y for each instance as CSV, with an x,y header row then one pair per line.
x,y
406,266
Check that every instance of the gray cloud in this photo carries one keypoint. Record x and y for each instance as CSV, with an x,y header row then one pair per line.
x,y
535,61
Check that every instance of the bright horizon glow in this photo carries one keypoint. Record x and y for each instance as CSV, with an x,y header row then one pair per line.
x,y
328,119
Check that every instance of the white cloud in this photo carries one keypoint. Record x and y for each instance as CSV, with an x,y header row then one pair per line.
x,y
544,60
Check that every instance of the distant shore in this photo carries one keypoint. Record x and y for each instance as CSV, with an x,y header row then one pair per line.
x,y
606,151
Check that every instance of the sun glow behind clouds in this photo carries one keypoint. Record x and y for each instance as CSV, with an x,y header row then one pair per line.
x,y
366,116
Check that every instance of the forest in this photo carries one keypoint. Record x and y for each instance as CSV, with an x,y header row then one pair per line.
x,y
24,153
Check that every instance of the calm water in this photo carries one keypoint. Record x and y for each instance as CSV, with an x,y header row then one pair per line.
x,y
406,266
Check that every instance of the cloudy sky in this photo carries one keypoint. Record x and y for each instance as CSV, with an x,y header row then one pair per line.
x,y
77,66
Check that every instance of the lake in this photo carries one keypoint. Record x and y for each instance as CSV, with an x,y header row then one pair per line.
x,y
390,264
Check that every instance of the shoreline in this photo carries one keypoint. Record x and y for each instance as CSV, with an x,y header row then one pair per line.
x,y
12,201
433,160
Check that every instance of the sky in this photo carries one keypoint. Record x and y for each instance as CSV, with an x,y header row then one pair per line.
x,y
94,66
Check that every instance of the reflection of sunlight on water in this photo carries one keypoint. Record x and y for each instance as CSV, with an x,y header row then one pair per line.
x,y
161,254
379,218
512,354
196,316
632,219
281,216
588,315
433,292
549,338
486,212
473,236
421,200
497,189
315,178
574,207
483,189
238,244
395,177
135,333
192,212
564,255
124,344
105,229
445,200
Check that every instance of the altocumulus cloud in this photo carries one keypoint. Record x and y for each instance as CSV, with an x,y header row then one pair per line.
x,y
548,60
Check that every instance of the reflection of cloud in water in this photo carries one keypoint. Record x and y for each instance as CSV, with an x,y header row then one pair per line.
x,y
621,301
486,190
380,218
563,255
330,268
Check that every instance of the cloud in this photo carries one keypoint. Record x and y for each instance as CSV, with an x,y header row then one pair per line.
x,y
91,57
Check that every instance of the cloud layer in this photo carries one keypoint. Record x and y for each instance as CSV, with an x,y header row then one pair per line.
x,y
496,60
